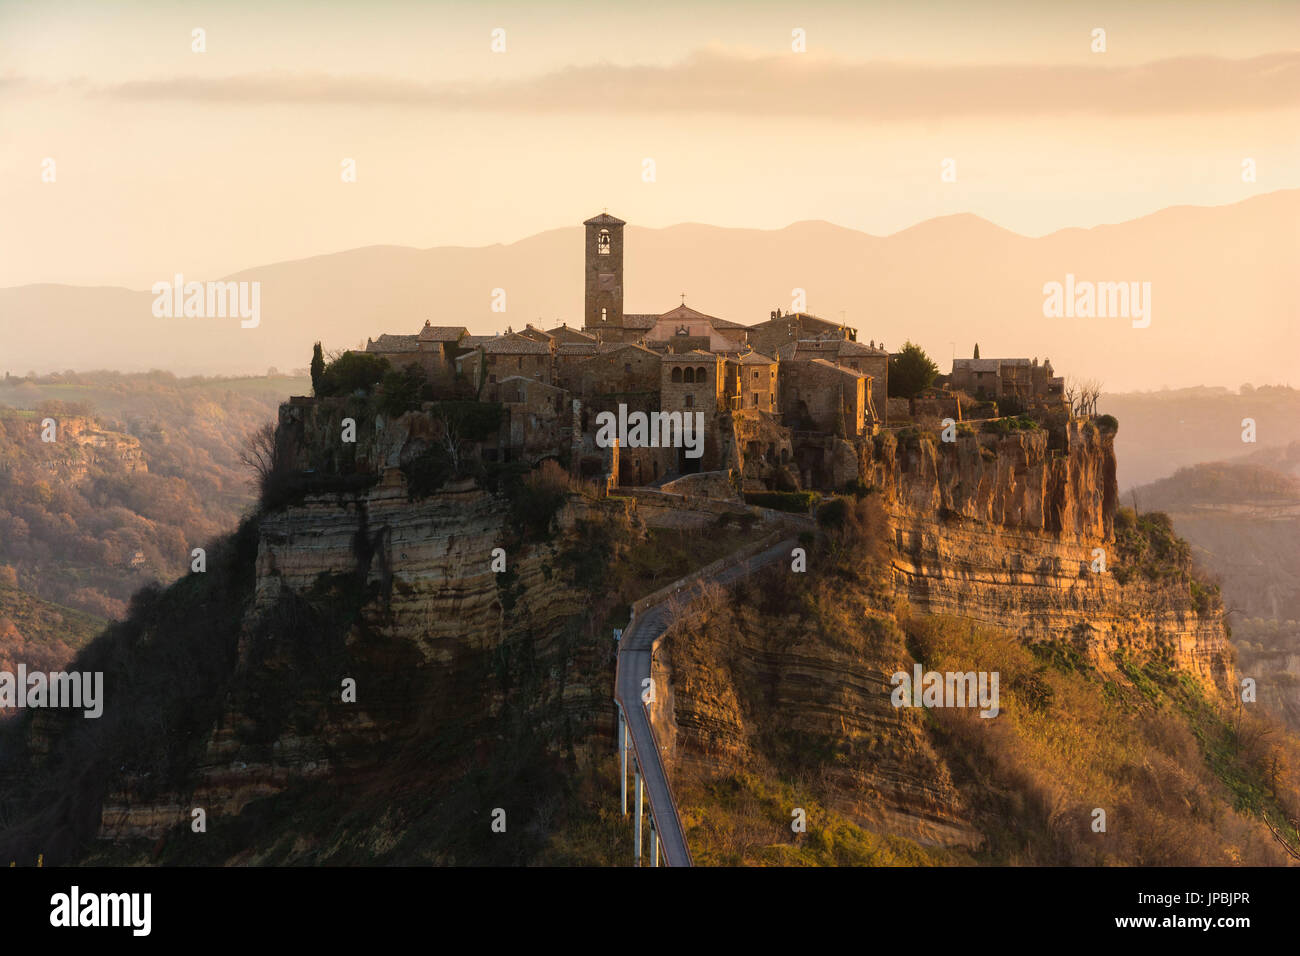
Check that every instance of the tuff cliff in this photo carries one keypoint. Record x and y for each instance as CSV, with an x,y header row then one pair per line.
x,y
82,443
1013,532
398,596
1018,531
478,688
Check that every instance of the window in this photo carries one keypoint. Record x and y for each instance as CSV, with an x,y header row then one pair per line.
x,y
690,399
756,375
492,379
602,243
688,375
756,399
521,361
700,376
627,367
677,375
603,314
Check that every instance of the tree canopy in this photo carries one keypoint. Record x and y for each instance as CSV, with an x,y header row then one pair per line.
x,y
351,372
910,371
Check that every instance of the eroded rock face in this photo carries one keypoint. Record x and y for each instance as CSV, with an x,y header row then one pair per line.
x,y
1006,531
83,444
997,529
431,560
1043,589
743,687
435,630
1017,481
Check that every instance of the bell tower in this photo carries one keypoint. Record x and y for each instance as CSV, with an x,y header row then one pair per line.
x,y
603,274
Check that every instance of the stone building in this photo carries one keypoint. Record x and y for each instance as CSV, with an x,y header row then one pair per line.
x,y
817,395
603,278
564,334
692,380
695,382
619,369
531,331
782,329
684,329
433,348
504,355
868,359
538,418
752,382
1020,380
568,358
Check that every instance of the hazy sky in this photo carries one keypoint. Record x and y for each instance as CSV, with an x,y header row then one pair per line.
x,y
172,161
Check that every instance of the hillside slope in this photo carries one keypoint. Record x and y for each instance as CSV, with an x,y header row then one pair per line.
x,y
1242,519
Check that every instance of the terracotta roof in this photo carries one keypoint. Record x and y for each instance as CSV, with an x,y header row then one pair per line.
x,y
751,358
565,329
977,365
809,324
532,383
686,312
442,333
605,348
849,347
576,348
394,343
694,355
839,368
604,219
474,341
515,344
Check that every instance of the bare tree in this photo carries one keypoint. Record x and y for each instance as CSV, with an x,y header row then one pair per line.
x,y
1089,392
1072,388
260,453
452,443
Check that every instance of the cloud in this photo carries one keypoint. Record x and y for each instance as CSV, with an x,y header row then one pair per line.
x,y
714,82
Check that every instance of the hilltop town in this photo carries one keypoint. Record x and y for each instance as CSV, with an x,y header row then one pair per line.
x,y
772,398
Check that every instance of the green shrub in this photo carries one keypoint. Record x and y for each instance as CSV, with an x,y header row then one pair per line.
x,y
1108,423
352,372
830,514
911,371
1006,426
537,498
428,471
401,390
857,488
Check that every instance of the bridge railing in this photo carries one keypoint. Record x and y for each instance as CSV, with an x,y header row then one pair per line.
x,y
668,591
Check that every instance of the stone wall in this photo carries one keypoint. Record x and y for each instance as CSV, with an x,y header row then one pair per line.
x,y
820,396
627,369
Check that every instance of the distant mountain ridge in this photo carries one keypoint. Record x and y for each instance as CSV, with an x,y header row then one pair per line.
x,y
1226,299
